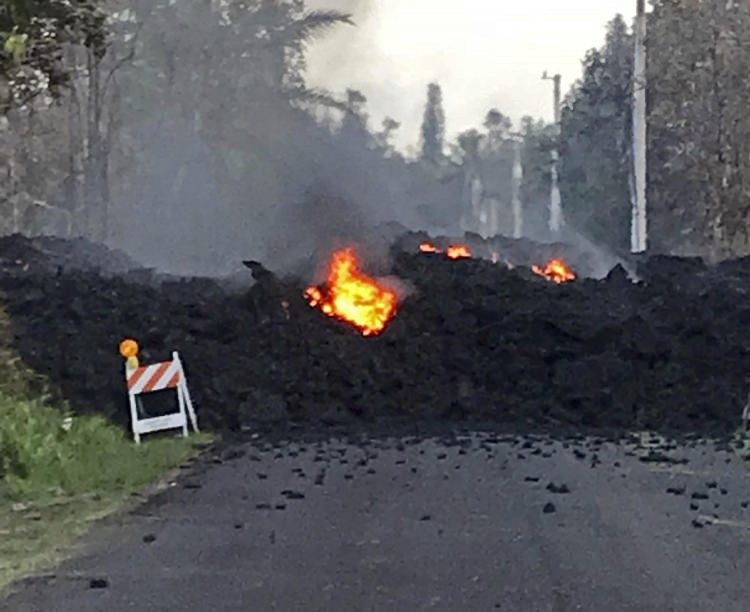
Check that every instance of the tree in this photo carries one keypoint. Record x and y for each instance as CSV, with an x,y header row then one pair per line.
x,y
538,141
195,143
433,126
34,35
498,128
595,143
699,129
385,136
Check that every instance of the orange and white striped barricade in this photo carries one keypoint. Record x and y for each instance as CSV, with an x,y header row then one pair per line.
x,y
157,377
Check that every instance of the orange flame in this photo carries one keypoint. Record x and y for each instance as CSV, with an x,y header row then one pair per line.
x,y
353,297
428,247
458,251
556,271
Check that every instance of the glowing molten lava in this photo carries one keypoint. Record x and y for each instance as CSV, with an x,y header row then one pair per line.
x,y
458,251
353,297
556,270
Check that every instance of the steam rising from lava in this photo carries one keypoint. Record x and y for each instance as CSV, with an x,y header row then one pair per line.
x,y
352,296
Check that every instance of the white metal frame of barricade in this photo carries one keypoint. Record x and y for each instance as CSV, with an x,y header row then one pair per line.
x,y
746,413
175,420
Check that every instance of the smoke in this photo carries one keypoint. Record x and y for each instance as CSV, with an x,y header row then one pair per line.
x,y
237,172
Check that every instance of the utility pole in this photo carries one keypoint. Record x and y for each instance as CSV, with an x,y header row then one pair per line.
x,y
638,226
555,206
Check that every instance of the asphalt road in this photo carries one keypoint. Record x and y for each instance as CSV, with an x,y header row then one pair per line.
x,y
423,524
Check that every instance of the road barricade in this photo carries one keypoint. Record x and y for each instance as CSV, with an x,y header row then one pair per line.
x,y
142,379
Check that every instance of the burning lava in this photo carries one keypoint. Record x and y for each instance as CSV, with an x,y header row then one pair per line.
x,y
455,251
428,247
556,271
353,297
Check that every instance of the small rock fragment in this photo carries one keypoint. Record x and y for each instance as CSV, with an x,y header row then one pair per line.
x,y
560,489
293,494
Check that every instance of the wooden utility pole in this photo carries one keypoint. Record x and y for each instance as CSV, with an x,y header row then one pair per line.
x,y
638,227
555,205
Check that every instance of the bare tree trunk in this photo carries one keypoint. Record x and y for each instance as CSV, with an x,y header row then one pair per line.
x,y
96,174
74,195
638,234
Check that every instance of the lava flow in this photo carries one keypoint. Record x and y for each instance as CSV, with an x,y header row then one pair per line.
x,y
455,251
428,247
458,251
353,297
556,271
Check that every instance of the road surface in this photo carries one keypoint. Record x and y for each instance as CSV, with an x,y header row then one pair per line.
x,y
480,522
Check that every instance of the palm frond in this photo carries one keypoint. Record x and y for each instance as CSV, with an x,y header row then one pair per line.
x,y
315,96
315,23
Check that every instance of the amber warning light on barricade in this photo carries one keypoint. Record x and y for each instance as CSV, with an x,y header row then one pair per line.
x,y
129,350
156,377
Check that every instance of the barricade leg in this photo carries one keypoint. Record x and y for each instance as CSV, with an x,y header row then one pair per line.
x,y
185,393
134,418
181,401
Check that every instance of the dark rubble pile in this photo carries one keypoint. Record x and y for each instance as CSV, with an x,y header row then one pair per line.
x,y
49,253
473,340
587,260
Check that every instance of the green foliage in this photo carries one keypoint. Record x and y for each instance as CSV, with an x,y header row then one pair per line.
x,y
35,33
15,44
45,452
16,379
595,143
699,131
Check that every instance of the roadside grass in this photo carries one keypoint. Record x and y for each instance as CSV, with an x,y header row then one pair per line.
x,y
60,472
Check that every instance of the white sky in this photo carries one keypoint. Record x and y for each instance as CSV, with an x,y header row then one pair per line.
x,y
484,53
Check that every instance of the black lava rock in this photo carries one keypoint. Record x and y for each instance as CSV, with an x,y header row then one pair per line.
x,y
560,489
609,353
293,494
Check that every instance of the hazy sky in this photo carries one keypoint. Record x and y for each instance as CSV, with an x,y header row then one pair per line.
x,y
484,53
